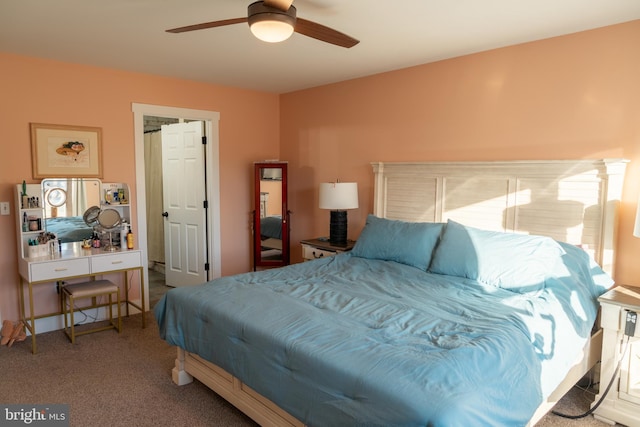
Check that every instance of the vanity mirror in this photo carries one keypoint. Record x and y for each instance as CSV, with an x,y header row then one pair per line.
x,y
271,215
65,200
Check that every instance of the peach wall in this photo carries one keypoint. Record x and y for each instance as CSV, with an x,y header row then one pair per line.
x,y
36,90
570,97
576,96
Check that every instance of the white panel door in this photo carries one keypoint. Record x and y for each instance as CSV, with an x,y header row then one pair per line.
x,y
184,195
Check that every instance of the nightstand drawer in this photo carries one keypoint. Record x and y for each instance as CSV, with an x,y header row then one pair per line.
x,y
615,304
309,253
614,317
44,271
115,261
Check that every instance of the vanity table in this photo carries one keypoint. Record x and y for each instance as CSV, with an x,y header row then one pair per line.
x,y
71,263
59,207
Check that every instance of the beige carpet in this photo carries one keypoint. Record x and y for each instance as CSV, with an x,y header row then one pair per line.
x,y
125,380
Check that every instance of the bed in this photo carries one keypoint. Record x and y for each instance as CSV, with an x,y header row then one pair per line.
x,y
423,323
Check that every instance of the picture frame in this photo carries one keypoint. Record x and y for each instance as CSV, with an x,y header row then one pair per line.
x,y
59,151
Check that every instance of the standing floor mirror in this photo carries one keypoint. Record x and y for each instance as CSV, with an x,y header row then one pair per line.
x,y
270,216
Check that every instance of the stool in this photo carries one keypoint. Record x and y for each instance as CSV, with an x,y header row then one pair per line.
x,y
92,289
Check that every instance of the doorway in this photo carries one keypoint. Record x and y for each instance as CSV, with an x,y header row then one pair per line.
x,y
172,114
154,181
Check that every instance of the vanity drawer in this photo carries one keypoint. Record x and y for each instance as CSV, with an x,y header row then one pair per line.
x,y
43,271
115,261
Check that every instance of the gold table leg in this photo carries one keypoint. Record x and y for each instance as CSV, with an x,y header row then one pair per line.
x,y
140,307
30,324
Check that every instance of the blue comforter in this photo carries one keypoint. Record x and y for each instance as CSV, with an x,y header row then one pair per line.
x,y
346,341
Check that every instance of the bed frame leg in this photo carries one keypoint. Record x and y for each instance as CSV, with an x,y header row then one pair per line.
x,y
178,374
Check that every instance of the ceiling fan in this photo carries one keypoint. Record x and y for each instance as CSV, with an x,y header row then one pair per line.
x,y
274,21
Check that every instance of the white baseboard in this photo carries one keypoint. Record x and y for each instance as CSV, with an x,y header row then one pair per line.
x,y
157,266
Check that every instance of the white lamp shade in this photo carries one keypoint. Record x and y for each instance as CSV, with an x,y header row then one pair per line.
x,y
338,195
272,31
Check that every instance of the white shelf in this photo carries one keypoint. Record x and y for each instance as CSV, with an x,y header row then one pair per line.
x,y
33,190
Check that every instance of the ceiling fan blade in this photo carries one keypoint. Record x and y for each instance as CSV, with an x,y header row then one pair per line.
x,y
283,5
207,25
325,34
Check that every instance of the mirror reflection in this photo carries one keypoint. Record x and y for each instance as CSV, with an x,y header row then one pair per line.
x,y
65,201
271,214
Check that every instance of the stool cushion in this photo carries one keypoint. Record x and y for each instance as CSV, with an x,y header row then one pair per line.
x,y
87,289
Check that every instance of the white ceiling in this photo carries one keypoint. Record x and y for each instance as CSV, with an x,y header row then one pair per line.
x,y
129,35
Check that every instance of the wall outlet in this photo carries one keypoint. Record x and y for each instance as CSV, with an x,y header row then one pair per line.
x,y
4,208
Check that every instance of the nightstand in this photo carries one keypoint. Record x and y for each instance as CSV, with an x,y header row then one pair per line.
x,y
320,248
622,403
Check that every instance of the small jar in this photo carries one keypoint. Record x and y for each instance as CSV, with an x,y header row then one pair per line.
x,y
33,224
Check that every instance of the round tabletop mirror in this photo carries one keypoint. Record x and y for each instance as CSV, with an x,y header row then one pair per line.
x,y
56,197
108,220
90,216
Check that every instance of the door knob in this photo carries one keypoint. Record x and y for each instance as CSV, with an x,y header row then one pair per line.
x,y
165,214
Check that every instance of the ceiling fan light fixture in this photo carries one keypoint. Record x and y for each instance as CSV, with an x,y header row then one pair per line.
x,y
272,31
274,21
269,24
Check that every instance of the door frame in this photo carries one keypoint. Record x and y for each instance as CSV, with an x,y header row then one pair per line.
x,y
212,170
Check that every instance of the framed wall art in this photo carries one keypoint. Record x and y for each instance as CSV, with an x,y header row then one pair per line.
x,y
66,151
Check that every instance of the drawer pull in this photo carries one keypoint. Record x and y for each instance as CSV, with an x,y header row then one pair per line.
x,y
60,269
317,256
116,262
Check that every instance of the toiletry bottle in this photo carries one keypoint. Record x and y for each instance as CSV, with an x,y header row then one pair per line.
x,y
129,239
123,234
25,198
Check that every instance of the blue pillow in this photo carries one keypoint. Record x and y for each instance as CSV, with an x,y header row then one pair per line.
x,y
512,261
408,243
589,272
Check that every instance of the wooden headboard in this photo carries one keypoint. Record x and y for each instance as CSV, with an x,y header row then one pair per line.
x,y
574,201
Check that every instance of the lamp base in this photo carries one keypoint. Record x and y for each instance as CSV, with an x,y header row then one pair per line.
x,y
338,228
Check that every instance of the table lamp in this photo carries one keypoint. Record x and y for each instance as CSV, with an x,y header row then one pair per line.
x,y
338,197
